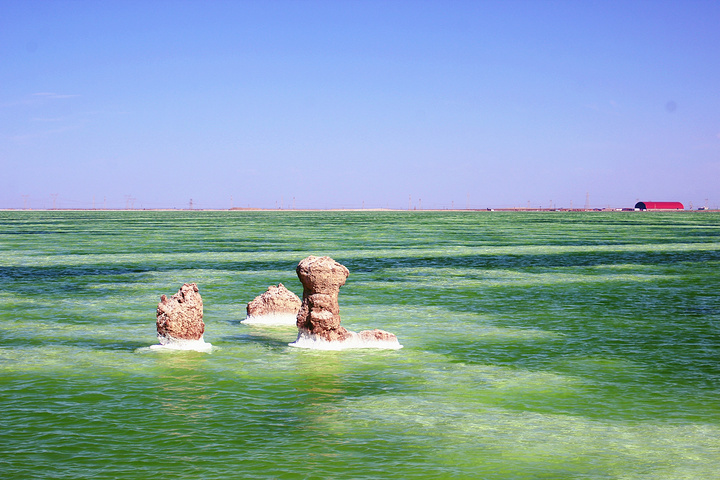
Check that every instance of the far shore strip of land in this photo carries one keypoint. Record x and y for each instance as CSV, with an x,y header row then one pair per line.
x,y
398,210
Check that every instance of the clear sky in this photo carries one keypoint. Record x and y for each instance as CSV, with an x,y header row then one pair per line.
x,y
322,104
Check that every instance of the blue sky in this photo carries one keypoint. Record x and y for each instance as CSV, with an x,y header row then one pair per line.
x,y
345,104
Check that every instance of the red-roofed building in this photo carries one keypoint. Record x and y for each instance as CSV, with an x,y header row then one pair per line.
x,y
659,206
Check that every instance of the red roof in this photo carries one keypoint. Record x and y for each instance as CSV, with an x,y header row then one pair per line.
x,y
659,206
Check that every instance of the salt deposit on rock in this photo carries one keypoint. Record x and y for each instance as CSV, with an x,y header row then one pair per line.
x,y
199,345
355,340
318,320
377,335
180,317
276,306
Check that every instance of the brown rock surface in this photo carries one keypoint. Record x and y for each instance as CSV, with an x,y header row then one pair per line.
x,y
181,316
377,335
277,299
319,313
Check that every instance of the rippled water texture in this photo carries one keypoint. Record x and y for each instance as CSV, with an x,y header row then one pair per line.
x,y
536,345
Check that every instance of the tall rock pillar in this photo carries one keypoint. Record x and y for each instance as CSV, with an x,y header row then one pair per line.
x,y
319,313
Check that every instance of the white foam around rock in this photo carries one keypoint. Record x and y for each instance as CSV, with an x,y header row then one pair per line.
x,y
314,342
169,343
273,320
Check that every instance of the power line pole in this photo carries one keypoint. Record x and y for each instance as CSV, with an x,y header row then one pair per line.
x,y
25,201
54,199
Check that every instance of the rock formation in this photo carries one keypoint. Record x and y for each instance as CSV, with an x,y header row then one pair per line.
x,y
180,317
319,315
377,335
275,301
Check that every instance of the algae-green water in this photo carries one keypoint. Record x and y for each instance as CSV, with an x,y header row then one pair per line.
x,y
535,345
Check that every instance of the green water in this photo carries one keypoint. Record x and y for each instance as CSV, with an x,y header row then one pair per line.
x,y
536,345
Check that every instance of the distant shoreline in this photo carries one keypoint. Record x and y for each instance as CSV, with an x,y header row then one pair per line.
x,y
287,210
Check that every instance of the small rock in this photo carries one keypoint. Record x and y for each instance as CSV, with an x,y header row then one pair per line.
x,y
180,317
276,300
377,335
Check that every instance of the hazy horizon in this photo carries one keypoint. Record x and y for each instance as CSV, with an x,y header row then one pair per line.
x,y
320,105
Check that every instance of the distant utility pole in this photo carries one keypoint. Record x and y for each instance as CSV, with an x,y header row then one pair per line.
x,y
25,201
54,199
231,203
191,204
127,202
587,200
409,202
419,203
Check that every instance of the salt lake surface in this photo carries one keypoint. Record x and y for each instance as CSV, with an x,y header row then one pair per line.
x,y
535,345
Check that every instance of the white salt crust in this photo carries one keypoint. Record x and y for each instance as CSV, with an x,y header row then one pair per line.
x,y
311,341
169,343
273,320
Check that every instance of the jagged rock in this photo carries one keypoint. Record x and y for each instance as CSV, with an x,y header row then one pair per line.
x,y
180,317
319,314
276,300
